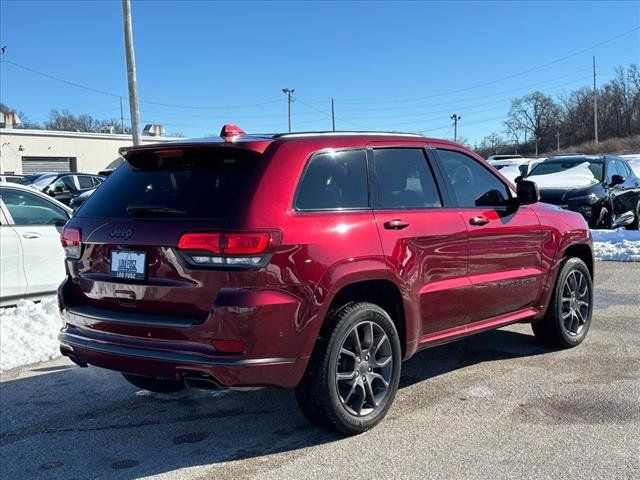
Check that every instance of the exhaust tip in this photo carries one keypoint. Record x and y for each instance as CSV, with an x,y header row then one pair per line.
x,y
204,382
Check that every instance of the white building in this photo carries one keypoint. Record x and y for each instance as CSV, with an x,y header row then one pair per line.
x,y
29,151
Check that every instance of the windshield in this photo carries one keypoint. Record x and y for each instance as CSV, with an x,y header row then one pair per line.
x,y
198,184
39,181
551,167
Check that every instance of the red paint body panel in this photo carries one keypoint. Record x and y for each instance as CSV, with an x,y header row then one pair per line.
x,y
454,278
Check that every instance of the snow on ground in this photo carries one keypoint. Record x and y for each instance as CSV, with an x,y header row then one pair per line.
x,y
28,333
617,245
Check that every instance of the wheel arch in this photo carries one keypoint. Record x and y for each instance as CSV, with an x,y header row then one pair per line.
x,y
380,291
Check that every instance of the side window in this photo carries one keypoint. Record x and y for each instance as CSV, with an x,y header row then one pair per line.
x,y
401,178
334,180
63,185
622,169
85,182
97,181
472,184
29,209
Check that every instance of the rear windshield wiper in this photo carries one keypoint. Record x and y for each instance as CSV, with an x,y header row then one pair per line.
x,y
153,210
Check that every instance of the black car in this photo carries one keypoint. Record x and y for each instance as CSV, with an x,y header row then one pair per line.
x,y
602,188
63,186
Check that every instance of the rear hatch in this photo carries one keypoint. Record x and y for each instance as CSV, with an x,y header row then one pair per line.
x,y
130,229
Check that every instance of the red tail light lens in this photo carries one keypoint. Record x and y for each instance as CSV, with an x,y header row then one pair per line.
x,y
71,240
245,243
229,346
208,242
243,249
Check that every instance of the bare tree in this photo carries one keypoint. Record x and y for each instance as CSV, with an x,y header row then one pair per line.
x,y
536,114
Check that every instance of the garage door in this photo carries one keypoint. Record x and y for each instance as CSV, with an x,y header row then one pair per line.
x,y
48,164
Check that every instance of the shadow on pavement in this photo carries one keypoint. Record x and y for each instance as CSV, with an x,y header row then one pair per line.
x,y
67,422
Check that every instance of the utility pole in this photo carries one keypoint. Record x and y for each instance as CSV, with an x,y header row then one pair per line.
x,y
595,102
456,118
333,116
558,140
121,117
289,93
131,71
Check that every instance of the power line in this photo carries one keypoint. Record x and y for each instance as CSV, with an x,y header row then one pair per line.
x,y
149,102
523,72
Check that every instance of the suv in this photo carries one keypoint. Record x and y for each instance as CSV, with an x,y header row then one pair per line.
x,y
318,261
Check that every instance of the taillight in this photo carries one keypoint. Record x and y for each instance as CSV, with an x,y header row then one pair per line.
x,y
242,249
245,243
208,242
71,240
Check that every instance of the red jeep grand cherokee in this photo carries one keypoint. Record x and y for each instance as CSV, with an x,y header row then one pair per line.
x,y
318,261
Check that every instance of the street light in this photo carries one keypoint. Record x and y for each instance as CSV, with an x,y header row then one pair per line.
x,y
289,93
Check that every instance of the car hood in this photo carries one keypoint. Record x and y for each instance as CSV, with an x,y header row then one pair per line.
x,y
557,196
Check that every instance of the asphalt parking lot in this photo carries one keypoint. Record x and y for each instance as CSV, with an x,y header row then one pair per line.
x,y
496,405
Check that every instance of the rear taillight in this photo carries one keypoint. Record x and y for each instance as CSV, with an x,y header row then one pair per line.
x,y
242,249
71,240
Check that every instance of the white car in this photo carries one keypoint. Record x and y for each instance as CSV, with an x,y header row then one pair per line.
x,y
31,256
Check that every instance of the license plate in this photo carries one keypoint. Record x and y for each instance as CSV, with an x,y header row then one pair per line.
x,y
128,265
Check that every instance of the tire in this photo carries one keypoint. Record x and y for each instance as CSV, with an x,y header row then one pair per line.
x,y
153,384
635,225
604,219
356,404
557,329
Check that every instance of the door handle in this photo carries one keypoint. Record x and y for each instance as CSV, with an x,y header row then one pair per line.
x,y
479,220
31,235
396,224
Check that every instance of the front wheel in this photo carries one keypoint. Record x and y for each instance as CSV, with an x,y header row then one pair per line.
x,y
353,374
569,314
635,225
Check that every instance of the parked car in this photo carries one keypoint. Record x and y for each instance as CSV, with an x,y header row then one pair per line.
x,y
315,261
604,189
63,186
10,178
77,201
513,168
32,258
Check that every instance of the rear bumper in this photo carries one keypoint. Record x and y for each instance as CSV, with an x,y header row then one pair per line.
x,y
172,362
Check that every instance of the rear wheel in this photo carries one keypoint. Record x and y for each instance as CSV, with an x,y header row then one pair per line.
x,y
353,375
154,384
568,317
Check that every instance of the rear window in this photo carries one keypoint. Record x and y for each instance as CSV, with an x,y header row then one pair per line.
x,y
197,184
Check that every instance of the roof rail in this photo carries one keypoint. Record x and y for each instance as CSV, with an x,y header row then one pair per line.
x,y
339,133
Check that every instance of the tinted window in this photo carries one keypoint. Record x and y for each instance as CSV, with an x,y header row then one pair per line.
x,y
205,183
29,209
473,185
622,170
401,178
85,182
63,184
334,180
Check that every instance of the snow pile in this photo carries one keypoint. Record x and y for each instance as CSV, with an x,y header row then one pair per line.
x,y
634,162
28,333
575,177
617,245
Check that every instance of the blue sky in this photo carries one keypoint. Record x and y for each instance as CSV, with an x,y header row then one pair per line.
x,y
396,66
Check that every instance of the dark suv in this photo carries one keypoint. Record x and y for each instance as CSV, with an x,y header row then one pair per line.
x,y
318,261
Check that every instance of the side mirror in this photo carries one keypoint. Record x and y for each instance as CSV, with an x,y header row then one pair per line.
x,y
519,178
527,192
617,180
